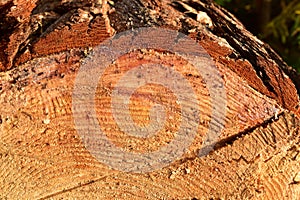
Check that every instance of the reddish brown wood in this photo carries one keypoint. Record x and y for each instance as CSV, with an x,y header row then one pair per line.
x,y
43,44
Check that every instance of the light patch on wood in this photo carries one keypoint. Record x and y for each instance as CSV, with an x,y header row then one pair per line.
x,y
202,17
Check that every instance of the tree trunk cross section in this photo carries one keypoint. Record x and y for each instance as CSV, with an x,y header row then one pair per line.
x,y
43,45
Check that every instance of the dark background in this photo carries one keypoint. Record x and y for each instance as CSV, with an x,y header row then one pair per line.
x,y
277,22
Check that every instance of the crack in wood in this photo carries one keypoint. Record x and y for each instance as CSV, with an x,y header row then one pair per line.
x,y
82,184
230,140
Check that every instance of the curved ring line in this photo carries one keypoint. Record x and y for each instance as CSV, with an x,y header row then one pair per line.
x,y
146,38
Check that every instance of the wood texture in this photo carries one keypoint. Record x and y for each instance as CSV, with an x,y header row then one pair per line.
x,y
43,44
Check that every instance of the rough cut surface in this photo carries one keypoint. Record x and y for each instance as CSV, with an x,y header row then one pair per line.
x,y
43,43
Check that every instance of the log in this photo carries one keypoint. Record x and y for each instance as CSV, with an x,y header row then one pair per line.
x,y
241,110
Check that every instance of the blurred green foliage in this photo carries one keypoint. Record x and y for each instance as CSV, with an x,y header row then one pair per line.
x,y
277,22
222,2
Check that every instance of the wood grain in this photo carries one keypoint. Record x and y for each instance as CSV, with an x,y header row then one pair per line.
x,y
42,155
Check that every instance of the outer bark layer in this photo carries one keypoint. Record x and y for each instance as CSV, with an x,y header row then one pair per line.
x,y
43,42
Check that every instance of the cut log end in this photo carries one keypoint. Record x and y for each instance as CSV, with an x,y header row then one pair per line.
x,y
149,124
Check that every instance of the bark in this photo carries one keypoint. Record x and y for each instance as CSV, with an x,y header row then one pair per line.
x,y
43,44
